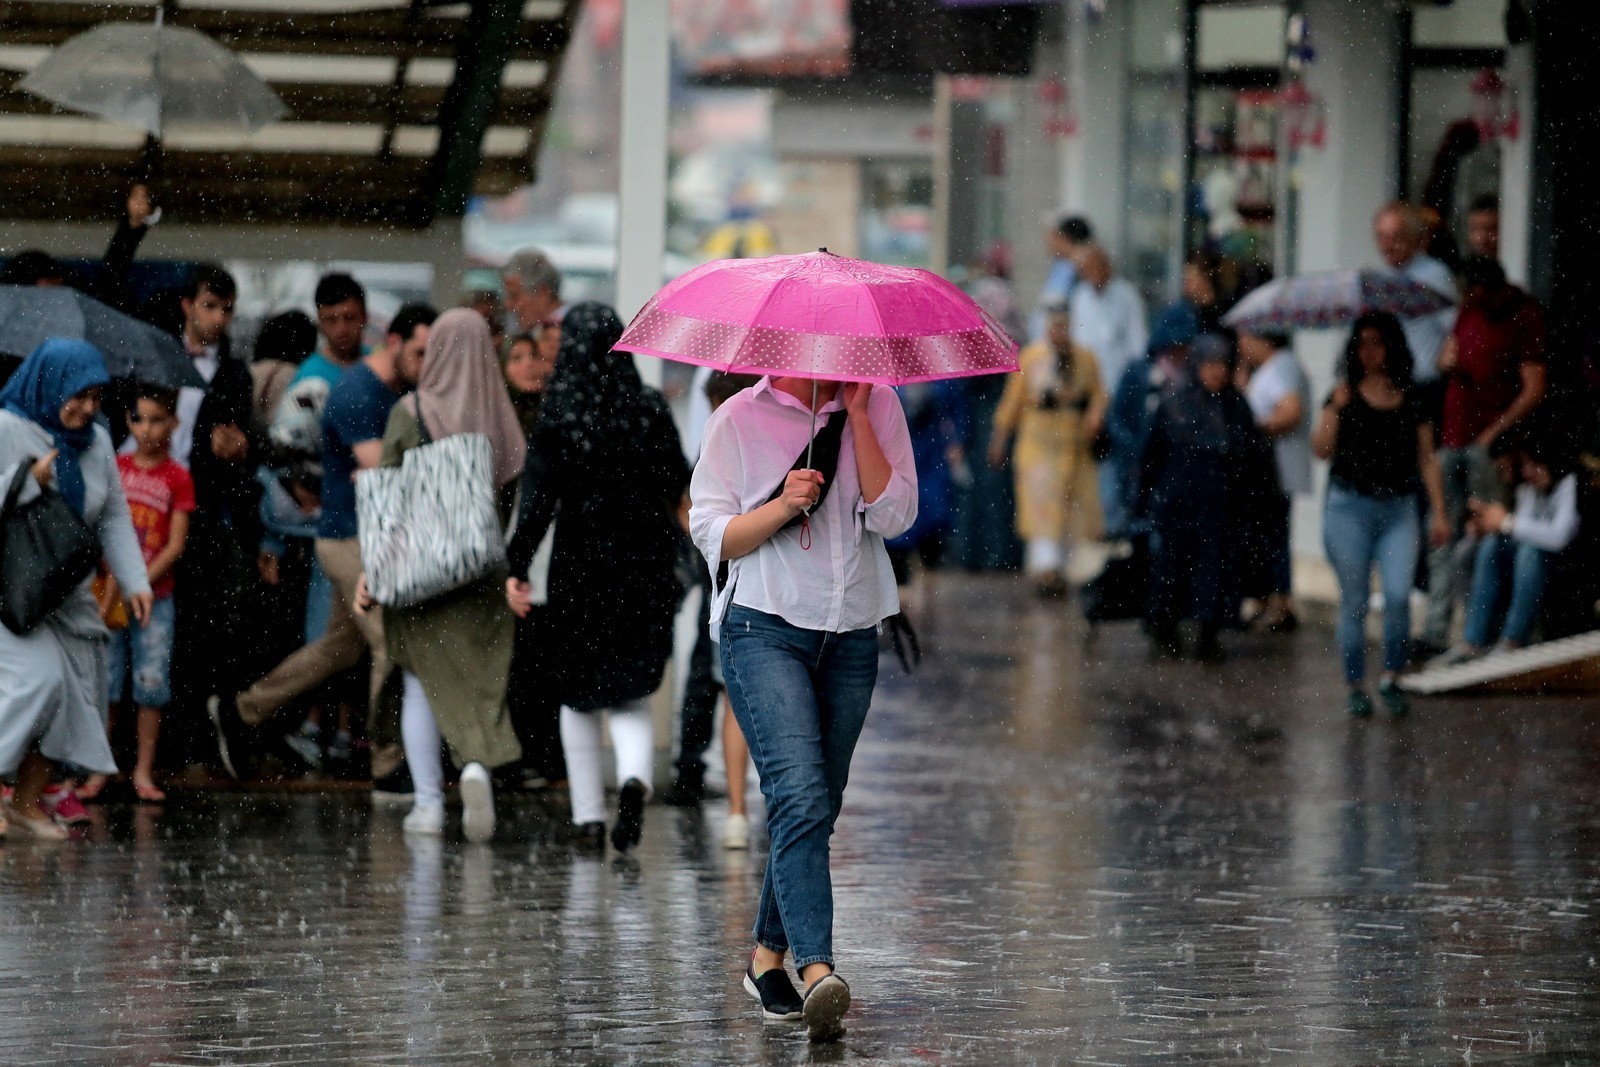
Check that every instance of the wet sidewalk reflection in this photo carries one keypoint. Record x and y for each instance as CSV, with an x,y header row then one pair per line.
x,y
1053,851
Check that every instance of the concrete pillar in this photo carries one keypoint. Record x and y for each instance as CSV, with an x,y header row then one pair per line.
x,y
1516,170
1093,162
1033,176
1340,186
642,226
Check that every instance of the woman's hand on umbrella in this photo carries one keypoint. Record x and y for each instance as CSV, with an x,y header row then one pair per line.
x,y
520,597
44,468
801,490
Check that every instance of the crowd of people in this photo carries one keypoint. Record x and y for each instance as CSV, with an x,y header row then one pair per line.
x,y
1451,441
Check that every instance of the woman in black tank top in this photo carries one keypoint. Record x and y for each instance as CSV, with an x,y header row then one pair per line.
x,y
1374,430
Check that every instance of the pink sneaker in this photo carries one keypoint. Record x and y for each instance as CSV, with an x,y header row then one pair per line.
x,y
62,801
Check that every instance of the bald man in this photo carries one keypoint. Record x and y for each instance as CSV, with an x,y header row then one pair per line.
x,y
1401,233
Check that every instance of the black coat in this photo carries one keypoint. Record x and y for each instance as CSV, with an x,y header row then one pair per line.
x,y
607,468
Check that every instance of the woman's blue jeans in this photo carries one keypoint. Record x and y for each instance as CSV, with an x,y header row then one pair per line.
x,y
801,697
1499,557
1359,531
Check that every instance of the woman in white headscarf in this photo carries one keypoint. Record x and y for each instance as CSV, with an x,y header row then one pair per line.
x,y
455,650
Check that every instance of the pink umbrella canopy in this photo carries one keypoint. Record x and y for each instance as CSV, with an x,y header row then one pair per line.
x,y
820,315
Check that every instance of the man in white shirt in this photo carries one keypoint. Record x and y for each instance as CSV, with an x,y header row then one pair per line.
x,y
1280,400
1108,318
533,290
1401,234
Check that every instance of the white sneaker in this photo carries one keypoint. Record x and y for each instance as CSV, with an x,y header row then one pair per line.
x,y
736,832
425,819
477,803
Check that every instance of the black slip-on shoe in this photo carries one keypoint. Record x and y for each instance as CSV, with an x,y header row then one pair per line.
x,y
825,1004
780,1000
630,816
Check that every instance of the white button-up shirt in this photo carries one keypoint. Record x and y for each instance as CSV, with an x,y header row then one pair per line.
x,y
1111,324
1425,334
843,581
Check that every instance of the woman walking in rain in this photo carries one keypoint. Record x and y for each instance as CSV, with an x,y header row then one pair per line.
x,y
803,580
53,679
605,467
455,649
1376,432
1054,406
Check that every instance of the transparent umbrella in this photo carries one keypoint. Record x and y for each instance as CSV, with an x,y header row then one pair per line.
x,y
155,77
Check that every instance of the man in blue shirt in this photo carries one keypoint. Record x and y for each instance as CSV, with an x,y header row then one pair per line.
x,y
342,320
1070,235
353,424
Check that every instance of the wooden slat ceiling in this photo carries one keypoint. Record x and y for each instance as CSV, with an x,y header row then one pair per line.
x,y
366,82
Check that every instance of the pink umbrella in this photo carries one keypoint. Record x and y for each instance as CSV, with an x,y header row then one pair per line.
x,y
820,315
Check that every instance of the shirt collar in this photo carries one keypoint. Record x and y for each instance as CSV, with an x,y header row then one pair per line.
x,y
765,386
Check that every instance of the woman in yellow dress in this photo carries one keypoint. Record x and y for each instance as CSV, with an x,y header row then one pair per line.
x,y
1054,406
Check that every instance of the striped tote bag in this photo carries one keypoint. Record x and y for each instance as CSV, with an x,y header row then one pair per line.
x,y
429,526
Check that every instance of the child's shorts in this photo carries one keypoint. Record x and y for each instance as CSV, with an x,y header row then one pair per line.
x,y
148,650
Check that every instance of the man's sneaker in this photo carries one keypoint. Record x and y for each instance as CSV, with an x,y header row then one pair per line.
x,y
1394,698
477,803
1457,655
425,819
218,716
778,996
306,743
394,791
825,1004
630,816
736,832
61,800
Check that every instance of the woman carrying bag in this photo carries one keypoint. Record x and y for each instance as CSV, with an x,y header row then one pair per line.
x,y
455,648
53,677
807,581
607,469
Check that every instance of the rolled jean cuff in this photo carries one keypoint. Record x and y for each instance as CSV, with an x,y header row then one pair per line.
x,y
782,950
801,963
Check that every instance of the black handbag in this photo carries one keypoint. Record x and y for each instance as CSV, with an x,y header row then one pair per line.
x,y
46,551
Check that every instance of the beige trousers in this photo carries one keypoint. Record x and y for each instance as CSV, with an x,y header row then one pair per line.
x,y
338,649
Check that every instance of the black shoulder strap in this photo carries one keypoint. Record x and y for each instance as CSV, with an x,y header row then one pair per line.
x,y
14,490
824,459
422,424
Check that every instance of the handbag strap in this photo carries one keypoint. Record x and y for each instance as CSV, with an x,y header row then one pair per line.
x,y
18,480
422,424
824,454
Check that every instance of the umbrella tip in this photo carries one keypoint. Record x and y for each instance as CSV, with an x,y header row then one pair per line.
x,y
824,251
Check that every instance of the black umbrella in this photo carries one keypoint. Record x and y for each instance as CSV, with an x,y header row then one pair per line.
x,y
133,348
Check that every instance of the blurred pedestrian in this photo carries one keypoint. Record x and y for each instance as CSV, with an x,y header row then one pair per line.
x,y
1376,432
53,679
341,305
607,469
455,649
1515,549
487,303
1280,401
1108,318
1483,227
353,425
160,497
1054,407
1401,233
1070,235
807,582
1132,410
284,342
1495,377
535,712
533,290
1204,479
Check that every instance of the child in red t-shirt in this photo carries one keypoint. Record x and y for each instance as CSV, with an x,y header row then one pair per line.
x,y
160,496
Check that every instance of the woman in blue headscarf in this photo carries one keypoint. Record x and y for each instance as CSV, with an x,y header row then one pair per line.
x,y
53,679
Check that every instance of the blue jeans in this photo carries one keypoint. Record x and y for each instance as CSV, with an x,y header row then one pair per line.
x,y
1500,557
1358,531
801,697
148,649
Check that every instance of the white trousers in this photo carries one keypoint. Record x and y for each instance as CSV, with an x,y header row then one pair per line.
x,y
633,738
419,734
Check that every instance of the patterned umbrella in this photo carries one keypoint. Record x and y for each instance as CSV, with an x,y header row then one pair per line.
x,y
820,315
1332,298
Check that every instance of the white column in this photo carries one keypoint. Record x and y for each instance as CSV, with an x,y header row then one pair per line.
x,y
1516,169
1094,160
642,228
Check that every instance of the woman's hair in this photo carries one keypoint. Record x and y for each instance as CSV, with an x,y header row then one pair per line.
x,y
1552,449
291,337
1397,362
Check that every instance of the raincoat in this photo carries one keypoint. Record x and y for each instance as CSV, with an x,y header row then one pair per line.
x,y
1045,404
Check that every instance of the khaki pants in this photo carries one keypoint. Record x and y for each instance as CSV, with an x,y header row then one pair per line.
x,y
338,649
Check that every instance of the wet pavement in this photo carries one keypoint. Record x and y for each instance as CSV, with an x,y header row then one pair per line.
x,y
1053,851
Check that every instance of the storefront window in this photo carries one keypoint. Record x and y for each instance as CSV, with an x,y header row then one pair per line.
x,y
1156,148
